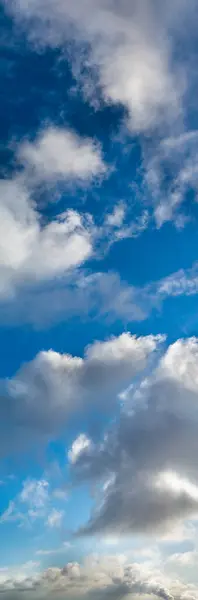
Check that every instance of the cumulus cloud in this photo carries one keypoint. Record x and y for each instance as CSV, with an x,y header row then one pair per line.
x,y
32,252
148,459
98,578
45,393
131,49
36,252
60,154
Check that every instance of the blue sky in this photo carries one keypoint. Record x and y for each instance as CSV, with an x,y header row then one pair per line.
x,y
98,299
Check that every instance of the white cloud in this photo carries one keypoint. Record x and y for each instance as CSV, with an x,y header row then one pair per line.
x,y
117,226
7,515
59,153
30,504
34,503
55,518
66,546
149,458
116,218
60,494
180,283
131,46
33,254
35,493
79,445
30,252
171,171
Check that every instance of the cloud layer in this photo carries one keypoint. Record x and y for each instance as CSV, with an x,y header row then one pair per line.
x,y
99,578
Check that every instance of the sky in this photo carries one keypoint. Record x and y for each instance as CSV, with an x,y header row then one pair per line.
x,y
98,300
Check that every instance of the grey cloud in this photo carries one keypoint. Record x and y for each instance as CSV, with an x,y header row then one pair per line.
x,y
102,295
87,296
47,392
98,578
147,463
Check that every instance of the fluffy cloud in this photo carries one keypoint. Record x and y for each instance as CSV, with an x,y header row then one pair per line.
x,y
98,578
147,462
48,391
32,249
131,48
32,252
59,154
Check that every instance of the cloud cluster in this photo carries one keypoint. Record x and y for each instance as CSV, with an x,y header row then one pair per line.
x,y
34,502
47,392
99,578
40,257
146,464
34,249
131,50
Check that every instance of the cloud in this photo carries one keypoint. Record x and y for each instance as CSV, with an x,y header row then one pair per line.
x,y
181,283
79,445
97,295
45,393
116,218
30,252
61,154
34,502
66,546
170,172
35,249
35,493
131,50
98,577
55,518
30,504
147,460
40,258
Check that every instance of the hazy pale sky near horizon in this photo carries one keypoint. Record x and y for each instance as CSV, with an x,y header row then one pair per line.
x,y
98,299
